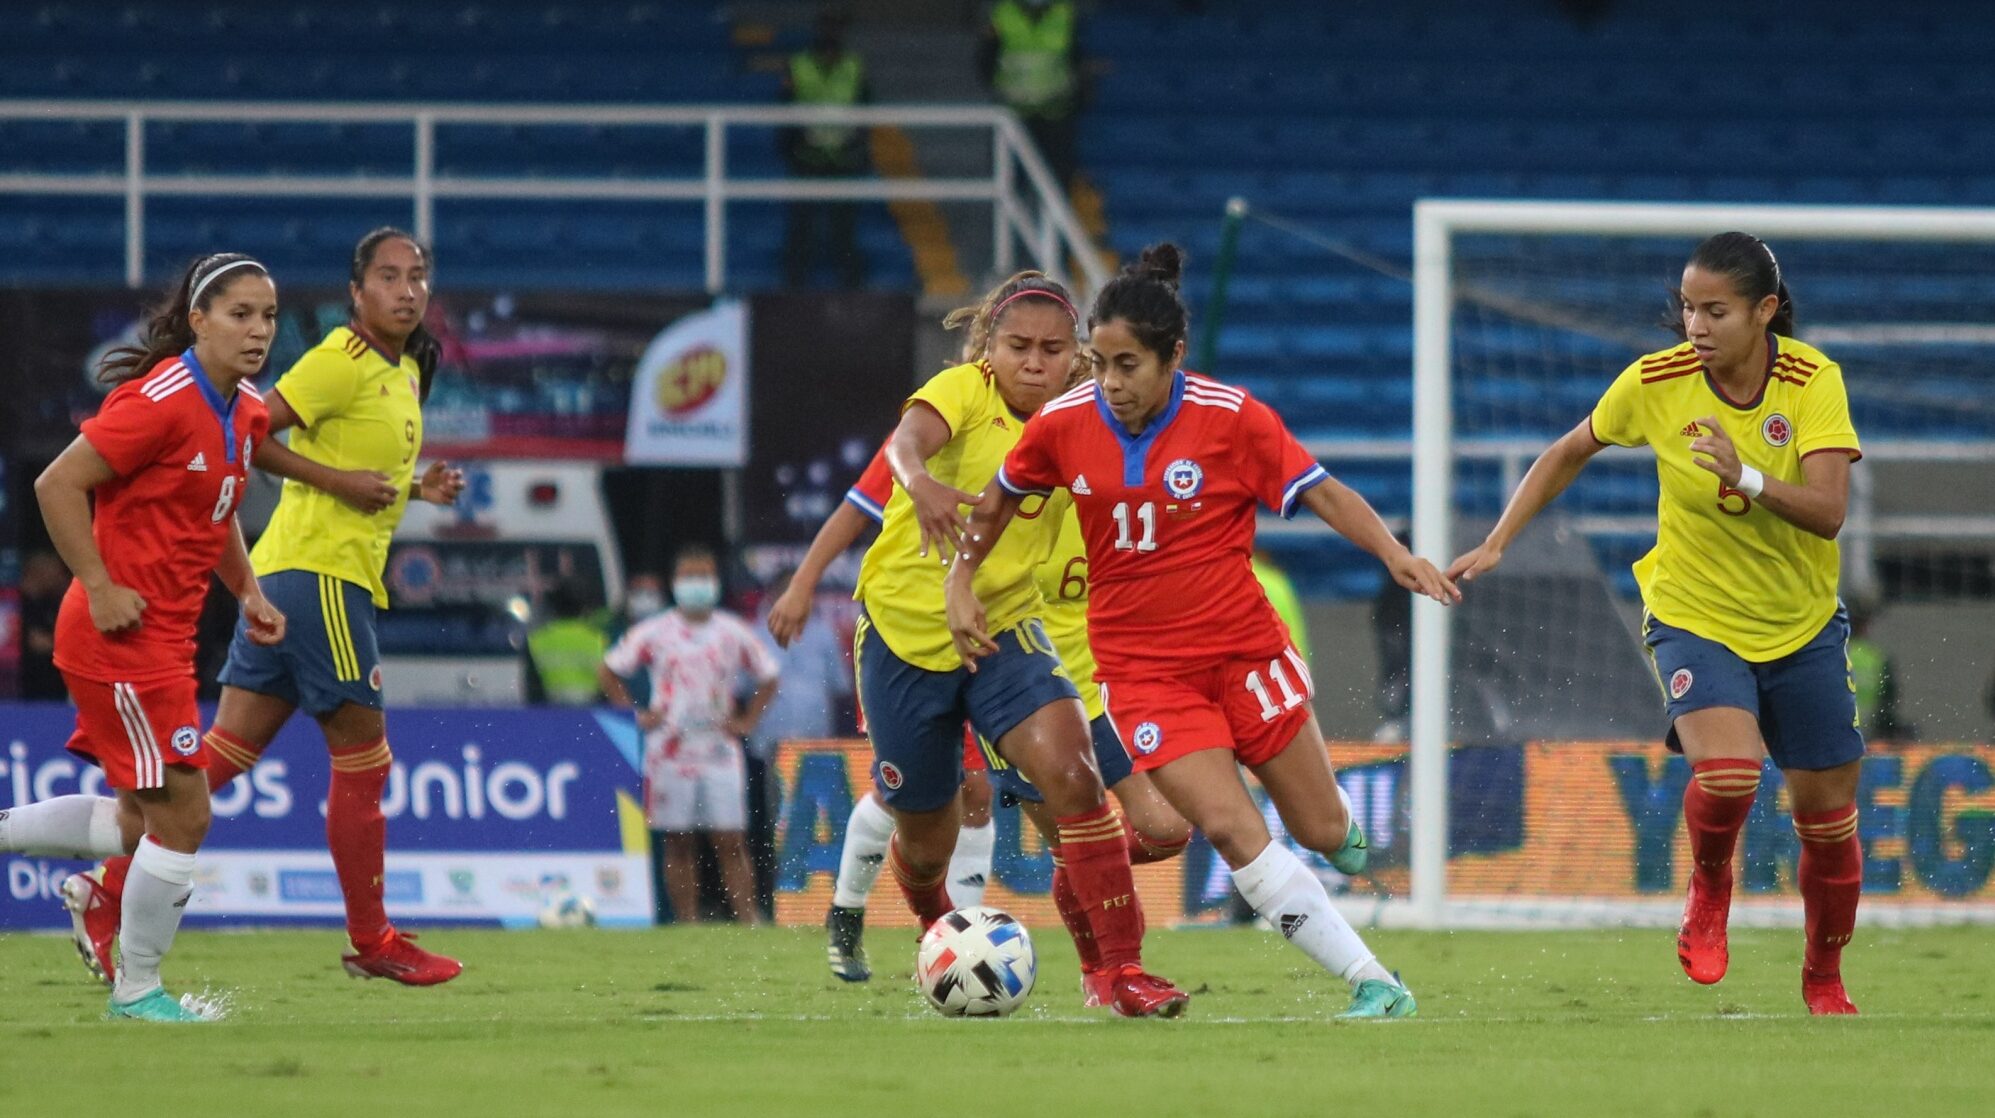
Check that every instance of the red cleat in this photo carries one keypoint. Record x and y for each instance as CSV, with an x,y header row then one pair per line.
x,y
1825,995
1137,994
398,958
93,921
1700,942
1097,988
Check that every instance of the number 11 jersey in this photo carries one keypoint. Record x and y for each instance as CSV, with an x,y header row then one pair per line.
x,y
1168,519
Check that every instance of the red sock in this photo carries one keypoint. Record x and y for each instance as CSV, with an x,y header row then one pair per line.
x,y
1074,917
357,835
927,898
228,757
1097,857
1831,875
1144,850
1715,805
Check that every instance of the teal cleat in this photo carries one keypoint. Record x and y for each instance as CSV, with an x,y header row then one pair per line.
x,y
156,1006
1351,857
1376,998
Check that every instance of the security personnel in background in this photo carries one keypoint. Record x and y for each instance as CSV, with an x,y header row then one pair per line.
x,y
564,652
826,74
1028,61
1876,683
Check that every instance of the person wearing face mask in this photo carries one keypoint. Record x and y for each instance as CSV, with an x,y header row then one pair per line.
x,y
1753,444
695,780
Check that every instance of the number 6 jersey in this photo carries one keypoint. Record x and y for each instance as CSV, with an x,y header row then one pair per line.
x,y
1168,519
1723,567
181,453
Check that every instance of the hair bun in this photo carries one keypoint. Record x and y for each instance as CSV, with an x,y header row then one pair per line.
x,y
1165,262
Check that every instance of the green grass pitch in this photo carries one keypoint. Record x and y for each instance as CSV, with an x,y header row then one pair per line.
x,y
727,1021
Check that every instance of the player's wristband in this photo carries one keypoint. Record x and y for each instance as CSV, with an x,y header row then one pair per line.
x,y
1751,482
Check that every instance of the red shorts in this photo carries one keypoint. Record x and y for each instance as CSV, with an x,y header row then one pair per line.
x,y
134,730
1252,707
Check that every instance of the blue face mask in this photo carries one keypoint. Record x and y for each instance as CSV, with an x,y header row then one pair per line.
x,y
644,603
699,594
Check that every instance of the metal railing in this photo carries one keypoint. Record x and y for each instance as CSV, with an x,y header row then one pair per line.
x,y
1029,212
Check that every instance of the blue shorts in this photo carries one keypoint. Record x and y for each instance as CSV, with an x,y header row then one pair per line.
x,y
1805,701
328,656
1109,756
915,716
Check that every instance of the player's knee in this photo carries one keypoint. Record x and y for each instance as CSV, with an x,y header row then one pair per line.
x,y
1238,840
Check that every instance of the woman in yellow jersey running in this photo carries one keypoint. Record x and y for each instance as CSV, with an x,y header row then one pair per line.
x,y
915,690
356,403
1753,443
1157,831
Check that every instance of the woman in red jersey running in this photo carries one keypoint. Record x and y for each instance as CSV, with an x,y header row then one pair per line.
x,y
1195,667
165,460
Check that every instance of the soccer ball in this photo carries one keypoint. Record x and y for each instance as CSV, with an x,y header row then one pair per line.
x,y
976,962
566,910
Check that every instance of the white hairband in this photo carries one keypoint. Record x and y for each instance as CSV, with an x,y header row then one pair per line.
x,y
194,299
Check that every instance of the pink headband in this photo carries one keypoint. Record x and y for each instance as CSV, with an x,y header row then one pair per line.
x,y
1041,293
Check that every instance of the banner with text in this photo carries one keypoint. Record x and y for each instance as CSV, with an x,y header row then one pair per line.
x,y
689,398
1590,821
490,813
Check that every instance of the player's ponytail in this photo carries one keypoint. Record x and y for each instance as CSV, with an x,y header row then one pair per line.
x,y
981,318
1145,297
421,344
168,331
1755,274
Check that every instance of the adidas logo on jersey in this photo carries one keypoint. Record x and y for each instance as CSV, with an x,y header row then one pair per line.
x,y
1292,923
998,422
200,462
1080,486
1691,431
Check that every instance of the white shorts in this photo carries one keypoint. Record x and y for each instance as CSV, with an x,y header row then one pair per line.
x,y
709,793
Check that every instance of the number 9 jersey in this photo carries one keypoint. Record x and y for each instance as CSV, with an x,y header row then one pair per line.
x,y
357,409
181,454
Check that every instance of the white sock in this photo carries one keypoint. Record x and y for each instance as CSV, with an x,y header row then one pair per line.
x,y
1291,899
63,827
156,894
866,835
970,866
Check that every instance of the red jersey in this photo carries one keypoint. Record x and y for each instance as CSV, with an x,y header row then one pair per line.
x,y
182,456
874,488
1168,517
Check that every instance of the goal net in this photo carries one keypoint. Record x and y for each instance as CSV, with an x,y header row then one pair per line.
x,y
1540,791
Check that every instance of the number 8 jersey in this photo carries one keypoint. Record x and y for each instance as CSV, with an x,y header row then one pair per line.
x,y
181,453
1168,518
1724,568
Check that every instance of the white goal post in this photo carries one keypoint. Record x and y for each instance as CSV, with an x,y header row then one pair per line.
x,y
1439,227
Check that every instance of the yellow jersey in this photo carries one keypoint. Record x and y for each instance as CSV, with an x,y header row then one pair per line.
x,y
357,410
1723,567
901,590
1063,582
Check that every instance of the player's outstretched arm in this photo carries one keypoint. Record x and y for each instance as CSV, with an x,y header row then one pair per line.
x,y
367,491
1353,518
792,609
1817,505
921,433
63,491
968,626
1548,477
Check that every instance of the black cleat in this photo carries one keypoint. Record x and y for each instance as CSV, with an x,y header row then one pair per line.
x,y
844,951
